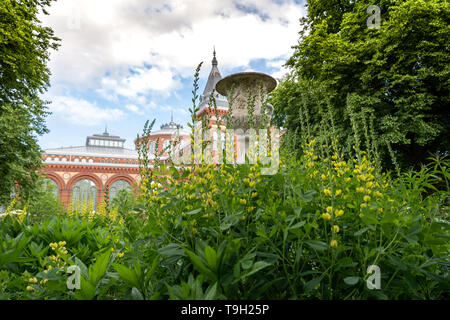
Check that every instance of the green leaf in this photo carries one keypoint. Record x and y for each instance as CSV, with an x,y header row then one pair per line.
x,y
312,284
86,292
317,245
98,270
127,275
308,196
200,266
194,211
255,268
211,292
298,225
351,280
360,232
211,257
83,269
172,249
136,294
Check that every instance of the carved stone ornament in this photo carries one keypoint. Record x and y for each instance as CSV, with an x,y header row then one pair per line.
x,y
247,84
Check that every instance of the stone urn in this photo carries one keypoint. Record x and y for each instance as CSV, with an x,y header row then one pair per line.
x,y
245,84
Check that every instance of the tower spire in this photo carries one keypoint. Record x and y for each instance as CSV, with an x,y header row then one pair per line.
x,y
214,60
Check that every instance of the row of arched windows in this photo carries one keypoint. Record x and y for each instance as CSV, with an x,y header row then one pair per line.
x,y
84,191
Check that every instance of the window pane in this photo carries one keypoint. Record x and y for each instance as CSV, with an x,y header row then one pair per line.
x,y
51,186
84,191
118,185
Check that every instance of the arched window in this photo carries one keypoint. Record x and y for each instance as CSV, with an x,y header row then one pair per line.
x,y
84,191
51,186
116,186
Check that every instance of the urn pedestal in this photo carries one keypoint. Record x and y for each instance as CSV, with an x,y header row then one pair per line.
x,y
241,88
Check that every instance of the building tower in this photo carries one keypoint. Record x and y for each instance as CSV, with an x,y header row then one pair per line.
x,y
221,101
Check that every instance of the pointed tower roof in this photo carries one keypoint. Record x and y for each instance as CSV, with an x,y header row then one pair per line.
x,y
214,76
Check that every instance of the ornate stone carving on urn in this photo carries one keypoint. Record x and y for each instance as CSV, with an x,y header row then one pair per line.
x,y
246,83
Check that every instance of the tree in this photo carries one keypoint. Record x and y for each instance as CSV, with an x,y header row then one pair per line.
x,y
44,201
24,76
397,75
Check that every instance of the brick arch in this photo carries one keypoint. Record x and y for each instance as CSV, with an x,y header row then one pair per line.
x,y
83,175
57,179
120,176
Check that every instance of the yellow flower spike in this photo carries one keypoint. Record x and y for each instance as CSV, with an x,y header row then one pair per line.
x,y
377,194
339,213
380,210
252,184
329,209
366,198
336,228
250,209
43,281
327,192
119,255
194,230
30,288
334,243
360,189
338,192
345,196
369,184
361,215
324,177
254,194
363,205
243,201
326,216
62,243
112,249
247,180
32,280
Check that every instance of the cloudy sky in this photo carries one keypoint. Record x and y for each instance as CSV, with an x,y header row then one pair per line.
x,y
122,62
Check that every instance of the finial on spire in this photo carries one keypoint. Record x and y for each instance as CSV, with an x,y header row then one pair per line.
x,y
171,117
106,129
214,60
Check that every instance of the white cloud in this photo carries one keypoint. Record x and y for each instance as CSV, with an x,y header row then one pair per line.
x,y
141,82
116,39
133,108
82,112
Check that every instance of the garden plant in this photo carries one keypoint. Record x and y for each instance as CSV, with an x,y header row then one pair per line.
x,y
225,231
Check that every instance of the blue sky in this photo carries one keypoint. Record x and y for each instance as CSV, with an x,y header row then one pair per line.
x,y
123,62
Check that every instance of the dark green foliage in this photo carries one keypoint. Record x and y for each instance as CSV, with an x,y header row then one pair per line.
x,y
398,75
24,52
43,201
